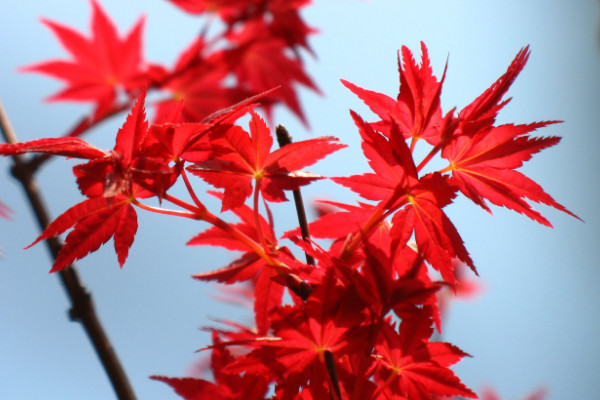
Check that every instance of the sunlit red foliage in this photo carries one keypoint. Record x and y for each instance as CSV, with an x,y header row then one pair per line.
x,y
363,308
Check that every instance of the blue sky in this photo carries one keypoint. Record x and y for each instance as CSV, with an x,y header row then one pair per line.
x,y
537,322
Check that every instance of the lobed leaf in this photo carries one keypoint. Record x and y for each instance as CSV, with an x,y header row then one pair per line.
x,y
66,146
95,221
100,65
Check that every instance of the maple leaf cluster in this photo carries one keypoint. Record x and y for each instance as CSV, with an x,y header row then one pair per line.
x,y
258,49
365,303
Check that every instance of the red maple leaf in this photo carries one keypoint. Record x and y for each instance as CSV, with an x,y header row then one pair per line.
x,y
240,158
482,111
383,288
283,15
483,157
194,388
303,334
483,167
101,65
227,386
260,62
420,200
68,147
198,79
436,236
181,141
416,110
249,266
287,23
414,368
174,139
94,222
112,180
132,168
391,162
339,224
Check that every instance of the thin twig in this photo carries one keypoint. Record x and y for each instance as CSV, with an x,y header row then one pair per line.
x,y
82,309
284,138
330,364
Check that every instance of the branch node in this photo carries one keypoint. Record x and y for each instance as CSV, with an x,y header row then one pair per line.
x,y
21,172
80,307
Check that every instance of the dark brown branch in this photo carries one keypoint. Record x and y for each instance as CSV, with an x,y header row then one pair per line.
x,y
301,288
284,138
330,364
82,309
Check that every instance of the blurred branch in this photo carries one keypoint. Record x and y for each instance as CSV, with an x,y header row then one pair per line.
x,y
82,309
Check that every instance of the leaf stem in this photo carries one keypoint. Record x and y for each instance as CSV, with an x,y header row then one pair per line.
x,y
190,189
428,157
201,213
198,210
165,211
385,384
239,235
413,143
259,231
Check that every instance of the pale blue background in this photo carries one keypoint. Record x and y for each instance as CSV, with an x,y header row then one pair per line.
x,y
538,322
